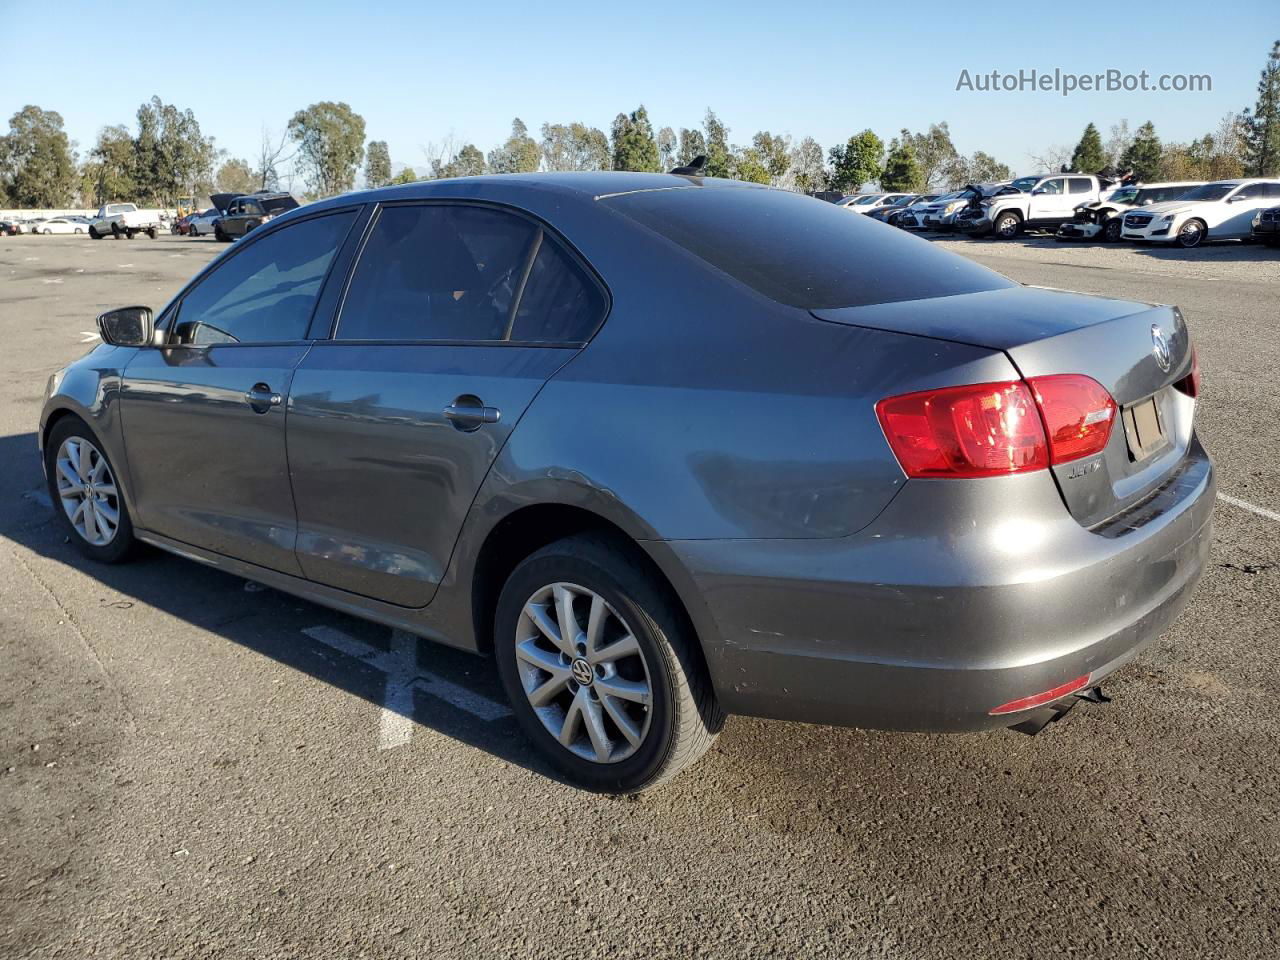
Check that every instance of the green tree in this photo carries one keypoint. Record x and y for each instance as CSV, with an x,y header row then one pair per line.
x,y
172,158
467,162
330,139
235,176
634,147
37,168
808,167
667,146
859,161
775,155
934,152
1262,124
901,172
692,144
377,164
574,146
406,175
1089,156
748,163
719,153
520,154
1143,154
979,168
108,174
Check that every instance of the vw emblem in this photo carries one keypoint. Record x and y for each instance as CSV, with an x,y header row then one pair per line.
x,y
582,672
1160,348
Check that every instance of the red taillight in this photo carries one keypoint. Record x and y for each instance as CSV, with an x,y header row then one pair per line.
x,y
1078,415
1040,699
1190,384
979,430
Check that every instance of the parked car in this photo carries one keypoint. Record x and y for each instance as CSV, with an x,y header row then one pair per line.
x,y
936,508
246,213
59,225
940,215
889,213
866,202
1222,210
202,224
10,228
123,220
908,215
1102,219
1266,226
1043,201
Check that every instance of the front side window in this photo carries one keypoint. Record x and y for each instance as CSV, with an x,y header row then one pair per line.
x,y
265,292
466,273
1051,187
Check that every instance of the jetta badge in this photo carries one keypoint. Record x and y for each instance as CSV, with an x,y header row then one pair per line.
x,y
1160,348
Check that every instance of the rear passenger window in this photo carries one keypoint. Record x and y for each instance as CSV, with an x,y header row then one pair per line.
x,y
1081,185
560,303
457,273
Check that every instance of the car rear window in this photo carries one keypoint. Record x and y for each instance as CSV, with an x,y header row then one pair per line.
x,y
804,252
276,205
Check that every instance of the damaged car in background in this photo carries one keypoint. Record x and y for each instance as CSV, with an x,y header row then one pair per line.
x,y
1103,219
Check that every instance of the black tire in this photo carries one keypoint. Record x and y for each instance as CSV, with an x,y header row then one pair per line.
x,y
94,234
219,235
1006,226
115,231
1112,230
152,233
683,717
1187,238
78,230
131,234
123,544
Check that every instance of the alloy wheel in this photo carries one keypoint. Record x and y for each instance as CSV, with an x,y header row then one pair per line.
x,y
88,491
583,672
1190,234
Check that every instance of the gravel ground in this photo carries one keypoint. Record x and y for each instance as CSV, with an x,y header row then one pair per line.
x,y
185,772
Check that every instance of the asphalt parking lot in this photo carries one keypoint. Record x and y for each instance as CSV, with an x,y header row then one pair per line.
x,y
193,767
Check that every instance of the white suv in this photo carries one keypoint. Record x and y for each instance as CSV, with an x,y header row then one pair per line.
x,y
1222,210
1043,201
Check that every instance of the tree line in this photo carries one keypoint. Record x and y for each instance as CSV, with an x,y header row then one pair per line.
x,y
166,155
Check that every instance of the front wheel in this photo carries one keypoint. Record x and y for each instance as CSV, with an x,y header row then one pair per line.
x,y
86,493
94,234
602,668
115,231
1191,234
1111,230
219,234
1007,226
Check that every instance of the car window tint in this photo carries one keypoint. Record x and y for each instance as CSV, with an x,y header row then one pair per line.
x,y
1051,186
266,291
437,272
801,251
560,303
1080,185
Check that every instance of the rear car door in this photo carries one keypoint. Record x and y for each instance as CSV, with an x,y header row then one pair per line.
x,y
454,317
204,414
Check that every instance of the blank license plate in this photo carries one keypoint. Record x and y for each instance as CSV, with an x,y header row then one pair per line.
x,y
1143,429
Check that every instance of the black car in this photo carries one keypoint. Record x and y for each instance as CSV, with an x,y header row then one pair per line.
x,y
1266,226
9,229
243,212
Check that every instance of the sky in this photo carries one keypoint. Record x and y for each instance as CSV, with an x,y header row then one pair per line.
x,y
420,72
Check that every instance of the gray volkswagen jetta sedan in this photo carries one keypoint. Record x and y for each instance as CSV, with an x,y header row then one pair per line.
x,y
668,448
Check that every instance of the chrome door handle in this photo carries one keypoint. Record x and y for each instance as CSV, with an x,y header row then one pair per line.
x,y
468,416
262,398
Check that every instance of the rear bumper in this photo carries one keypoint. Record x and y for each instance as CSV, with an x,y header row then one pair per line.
x,y
929,618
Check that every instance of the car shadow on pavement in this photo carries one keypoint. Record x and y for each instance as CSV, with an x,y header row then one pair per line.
x,y
446,690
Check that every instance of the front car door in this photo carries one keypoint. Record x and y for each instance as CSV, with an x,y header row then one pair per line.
x,y
454,317
204,413
1049,201
1241,207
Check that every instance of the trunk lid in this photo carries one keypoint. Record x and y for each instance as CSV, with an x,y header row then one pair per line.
x,y
1119,343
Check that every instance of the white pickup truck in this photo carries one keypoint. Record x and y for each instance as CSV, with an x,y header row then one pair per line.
x,y
1046,201
123,220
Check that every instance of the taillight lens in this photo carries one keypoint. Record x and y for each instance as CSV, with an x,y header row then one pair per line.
x,y
979,430
1078,415
1190,384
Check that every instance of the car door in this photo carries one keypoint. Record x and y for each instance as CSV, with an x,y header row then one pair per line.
x,y
1240,208
1049,201
204,413
454,317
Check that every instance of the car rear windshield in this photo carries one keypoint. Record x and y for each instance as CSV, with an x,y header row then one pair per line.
x,y
276,205
804,252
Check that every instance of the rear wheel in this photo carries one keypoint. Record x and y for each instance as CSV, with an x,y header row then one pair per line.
x,y
1191,233
151,233
86,493
115,231
78,230
601,667
219,234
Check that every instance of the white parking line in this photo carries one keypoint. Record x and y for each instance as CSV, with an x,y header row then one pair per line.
x,y
400,663
1252,508
88,336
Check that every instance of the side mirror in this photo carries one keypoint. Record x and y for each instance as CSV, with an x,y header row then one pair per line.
x,y
1036,193
127,327
1236,199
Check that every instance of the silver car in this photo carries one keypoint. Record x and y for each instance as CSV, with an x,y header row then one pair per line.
x,y
667,448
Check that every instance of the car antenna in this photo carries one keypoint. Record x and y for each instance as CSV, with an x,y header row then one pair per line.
x,y
693,168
